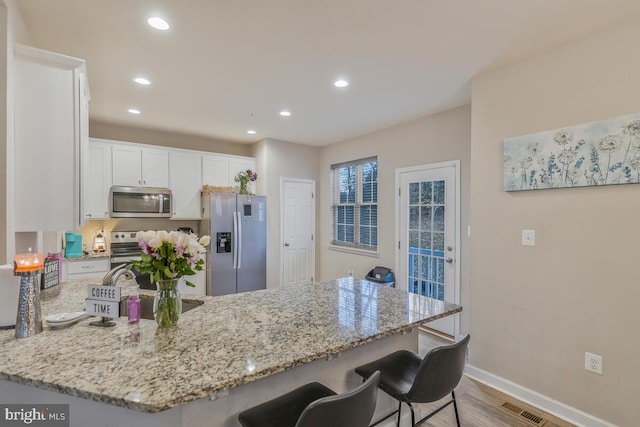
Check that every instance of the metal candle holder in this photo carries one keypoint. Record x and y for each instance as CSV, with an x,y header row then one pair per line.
x,y
29,317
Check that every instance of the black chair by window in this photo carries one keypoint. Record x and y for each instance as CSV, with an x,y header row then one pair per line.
x,y
315,405
410,379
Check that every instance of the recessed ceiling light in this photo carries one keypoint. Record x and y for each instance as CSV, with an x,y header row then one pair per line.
x,y
158,23
341,83
133,111
251,132
285,113
142,81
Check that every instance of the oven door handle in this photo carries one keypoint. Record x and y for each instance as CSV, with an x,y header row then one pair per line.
x,y
125,259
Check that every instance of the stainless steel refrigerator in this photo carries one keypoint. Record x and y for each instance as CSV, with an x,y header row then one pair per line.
x,y
237,257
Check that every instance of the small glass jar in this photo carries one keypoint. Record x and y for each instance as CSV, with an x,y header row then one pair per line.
x,y
133,306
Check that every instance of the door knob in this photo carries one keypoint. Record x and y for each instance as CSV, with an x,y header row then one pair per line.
x,y
449,260
286,244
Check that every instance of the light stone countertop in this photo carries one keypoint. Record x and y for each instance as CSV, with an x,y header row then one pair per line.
x,y
227,341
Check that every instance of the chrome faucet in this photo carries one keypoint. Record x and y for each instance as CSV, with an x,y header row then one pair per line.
x,y
111,278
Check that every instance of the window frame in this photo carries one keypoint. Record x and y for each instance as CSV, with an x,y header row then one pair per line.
x,y
357,203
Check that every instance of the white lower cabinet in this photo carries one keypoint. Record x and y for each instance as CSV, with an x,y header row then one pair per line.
x,y
199,280
82,268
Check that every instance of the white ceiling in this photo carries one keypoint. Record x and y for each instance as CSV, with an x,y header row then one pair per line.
x,y
228,66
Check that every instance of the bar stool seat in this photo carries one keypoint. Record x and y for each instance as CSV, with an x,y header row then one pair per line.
x,y
315,405
408,378
286,409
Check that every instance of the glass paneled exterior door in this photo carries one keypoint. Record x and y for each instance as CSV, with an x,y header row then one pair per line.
x,y
427,230
426,238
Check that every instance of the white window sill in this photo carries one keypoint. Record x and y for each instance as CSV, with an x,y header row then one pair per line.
x,y
373,254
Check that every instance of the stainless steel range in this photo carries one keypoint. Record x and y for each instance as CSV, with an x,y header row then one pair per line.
x,y
124,248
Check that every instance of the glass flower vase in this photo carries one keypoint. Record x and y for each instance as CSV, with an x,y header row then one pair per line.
x,y
167,304
244,187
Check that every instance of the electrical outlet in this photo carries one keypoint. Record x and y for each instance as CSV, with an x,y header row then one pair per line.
x,y
593,363
528,237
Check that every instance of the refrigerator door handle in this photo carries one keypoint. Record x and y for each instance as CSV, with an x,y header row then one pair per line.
x,y
239,240
235,241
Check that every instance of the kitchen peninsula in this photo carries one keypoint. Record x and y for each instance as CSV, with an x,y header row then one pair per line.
x,y
226,355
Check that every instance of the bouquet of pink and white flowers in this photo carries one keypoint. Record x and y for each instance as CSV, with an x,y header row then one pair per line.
x,y
170,255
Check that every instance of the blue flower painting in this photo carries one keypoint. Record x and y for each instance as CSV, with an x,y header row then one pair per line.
x,y
597,153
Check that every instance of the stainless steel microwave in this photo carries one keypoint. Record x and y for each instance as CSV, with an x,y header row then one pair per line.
x,y
140,202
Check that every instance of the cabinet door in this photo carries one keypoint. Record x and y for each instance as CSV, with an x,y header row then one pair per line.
x,y
127,165
155,168
238,165
98,181
46,162
186,182
215,171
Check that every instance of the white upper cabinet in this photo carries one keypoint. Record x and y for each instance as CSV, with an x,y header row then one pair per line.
x,y
96,180
109,163
220,170
215,170
240,165
134,166
186,181
155,168
51,102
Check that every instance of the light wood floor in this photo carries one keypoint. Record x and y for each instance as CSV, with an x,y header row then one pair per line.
x,y
478,404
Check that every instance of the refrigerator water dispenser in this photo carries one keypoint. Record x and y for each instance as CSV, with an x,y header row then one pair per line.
x,y
223,243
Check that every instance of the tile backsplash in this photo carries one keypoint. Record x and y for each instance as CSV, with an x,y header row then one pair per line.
x,y
131,224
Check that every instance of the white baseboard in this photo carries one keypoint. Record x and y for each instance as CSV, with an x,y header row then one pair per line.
x,y
533,398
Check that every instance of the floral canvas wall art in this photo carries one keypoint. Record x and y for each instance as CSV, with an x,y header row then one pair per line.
x,y
597,153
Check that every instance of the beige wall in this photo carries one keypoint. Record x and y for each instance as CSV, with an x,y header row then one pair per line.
x,y
99,129
437,138
284,160
536,310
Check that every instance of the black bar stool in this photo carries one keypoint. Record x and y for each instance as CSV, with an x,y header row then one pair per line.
x,y
410,379
315,405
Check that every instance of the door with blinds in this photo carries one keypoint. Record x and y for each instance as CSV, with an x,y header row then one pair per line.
x,y
428,235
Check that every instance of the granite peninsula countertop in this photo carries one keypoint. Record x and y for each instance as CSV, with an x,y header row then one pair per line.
x,y
225,342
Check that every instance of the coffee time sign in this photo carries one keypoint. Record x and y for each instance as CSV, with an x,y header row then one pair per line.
x,y
103,301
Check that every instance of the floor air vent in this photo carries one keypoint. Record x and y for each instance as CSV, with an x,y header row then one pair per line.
x,y
525,415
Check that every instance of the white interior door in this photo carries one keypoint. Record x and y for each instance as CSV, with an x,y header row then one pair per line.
x,y
428,235
298,224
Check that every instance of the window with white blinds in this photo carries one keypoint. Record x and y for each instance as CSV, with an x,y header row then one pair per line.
x,y
354,195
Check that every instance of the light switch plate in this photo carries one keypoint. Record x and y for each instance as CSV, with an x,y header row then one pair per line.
x,y
528,237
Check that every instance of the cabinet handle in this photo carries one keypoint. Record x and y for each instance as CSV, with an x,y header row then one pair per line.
x,y
88,266
88,215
